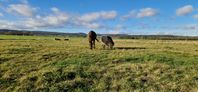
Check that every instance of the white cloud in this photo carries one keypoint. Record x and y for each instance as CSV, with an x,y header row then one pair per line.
x,y
4,24
190,27
54,20
21,9
91,20
106,15
1,15
31,23
117,29
51,21
9,25
54,9
184,10
132,14
59,19
185,27
90,17
91,25
147,12
195,16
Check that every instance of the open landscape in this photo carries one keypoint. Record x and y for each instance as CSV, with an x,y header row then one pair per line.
x,y
42,64
98,46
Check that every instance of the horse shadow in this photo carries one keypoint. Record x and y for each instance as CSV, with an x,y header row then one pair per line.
x,y
129,48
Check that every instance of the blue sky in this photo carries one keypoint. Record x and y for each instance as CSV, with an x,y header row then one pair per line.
x,y
174,17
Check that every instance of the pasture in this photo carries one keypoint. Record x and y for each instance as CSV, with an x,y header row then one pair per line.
x,y
35,63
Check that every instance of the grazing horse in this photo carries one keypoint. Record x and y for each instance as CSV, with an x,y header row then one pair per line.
x,y
107,40
57,39
66,39
92,37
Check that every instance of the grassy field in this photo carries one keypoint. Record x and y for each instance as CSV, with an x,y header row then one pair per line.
x,y
31,63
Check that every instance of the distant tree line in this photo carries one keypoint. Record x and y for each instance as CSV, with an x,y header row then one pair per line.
x,y
159,37
18,33
154,37
39,33
120,36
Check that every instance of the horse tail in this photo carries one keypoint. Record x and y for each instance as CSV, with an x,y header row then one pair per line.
x,y
97,40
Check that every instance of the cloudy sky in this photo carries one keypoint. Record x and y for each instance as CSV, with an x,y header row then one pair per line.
x,y
175,17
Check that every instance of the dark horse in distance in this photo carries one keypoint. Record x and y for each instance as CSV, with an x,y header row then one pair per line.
x,y
92,37
108,41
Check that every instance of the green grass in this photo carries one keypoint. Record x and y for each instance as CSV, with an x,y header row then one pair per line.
x,y
44,64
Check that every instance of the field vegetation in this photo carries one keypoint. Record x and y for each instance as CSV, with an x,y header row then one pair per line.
x,y
42,64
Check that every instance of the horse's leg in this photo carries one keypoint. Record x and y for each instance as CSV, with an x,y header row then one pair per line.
x,y
109,46
94,44
103,45
90,44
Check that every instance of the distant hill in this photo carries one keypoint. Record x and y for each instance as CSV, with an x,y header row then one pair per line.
x,y
156,37
37,33
121,36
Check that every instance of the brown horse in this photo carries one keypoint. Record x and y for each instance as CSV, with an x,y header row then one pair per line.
x,y
92,37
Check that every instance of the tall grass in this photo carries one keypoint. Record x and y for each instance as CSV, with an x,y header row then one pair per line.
x,y
134,65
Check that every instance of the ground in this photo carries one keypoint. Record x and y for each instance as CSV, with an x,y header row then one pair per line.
x,y
35,63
